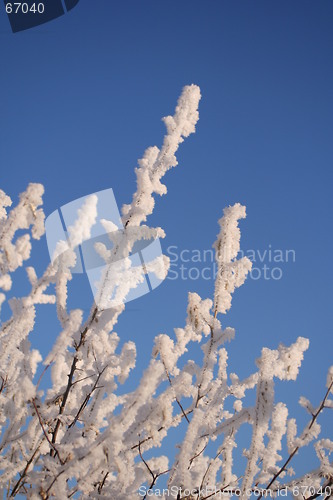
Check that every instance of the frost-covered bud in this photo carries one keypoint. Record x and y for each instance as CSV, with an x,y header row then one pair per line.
x,y
329,381
238,405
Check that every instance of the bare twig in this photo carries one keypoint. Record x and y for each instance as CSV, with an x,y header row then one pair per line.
x,y
198,454
44,431
42,374
86,399
161,429
170,382
153,475
25,470
3,383
100,487
54,480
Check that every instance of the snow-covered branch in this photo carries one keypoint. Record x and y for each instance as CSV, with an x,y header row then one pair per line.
x,y
87,436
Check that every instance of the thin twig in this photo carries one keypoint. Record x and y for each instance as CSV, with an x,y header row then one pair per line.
x,y
3,383
153,475
86,399
198,454
44,431
100,487
54,480
42,374
161,429
170,382
25,470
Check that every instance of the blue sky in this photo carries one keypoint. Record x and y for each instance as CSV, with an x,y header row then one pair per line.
x,y
83,96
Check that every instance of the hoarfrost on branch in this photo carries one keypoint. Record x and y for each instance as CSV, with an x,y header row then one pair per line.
x,y
85,437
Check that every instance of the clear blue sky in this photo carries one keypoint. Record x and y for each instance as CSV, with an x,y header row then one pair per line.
x,y
82,97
